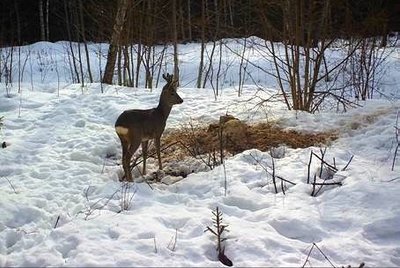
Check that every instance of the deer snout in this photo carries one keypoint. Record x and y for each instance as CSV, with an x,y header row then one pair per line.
x,y
179,100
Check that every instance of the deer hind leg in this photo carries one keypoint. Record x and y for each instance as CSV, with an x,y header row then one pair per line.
x,y
125,163
128,149
131,149
144,154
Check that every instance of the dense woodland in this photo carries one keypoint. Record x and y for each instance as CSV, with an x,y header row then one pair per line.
x,y
134,29
157,21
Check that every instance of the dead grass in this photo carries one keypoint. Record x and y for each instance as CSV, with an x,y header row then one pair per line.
x,y
237,137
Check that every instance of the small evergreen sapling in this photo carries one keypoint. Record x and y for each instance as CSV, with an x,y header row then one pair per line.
x,y
218,232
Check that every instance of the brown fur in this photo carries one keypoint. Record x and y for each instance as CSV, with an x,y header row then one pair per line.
x,y
137,127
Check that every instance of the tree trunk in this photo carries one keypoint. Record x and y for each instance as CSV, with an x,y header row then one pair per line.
x,y
83,34
189,20
115,40
201,65
47,20
73,66
41,20
175,39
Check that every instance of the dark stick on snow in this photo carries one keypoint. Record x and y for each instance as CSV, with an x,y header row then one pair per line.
x,y
309,168
55,225
348,163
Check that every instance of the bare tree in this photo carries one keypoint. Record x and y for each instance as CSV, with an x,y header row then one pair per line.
x,y
300,66
120,18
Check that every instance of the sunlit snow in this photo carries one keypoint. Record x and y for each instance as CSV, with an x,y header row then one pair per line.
x,y
60,196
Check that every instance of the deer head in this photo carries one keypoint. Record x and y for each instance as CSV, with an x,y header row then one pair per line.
x,y
169,94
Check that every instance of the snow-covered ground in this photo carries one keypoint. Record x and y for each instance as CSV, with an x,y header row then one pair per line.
x,y
60,202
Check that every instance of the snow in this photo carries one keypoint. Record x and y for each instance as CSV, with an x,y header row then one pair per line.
x,y
60,202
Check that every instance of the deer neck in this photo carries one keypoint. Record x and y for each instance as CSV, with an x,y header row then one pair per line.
x,y
164,108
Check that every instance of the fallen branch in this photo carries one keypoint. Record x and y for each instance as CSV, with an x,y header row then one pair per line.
x,y
327,183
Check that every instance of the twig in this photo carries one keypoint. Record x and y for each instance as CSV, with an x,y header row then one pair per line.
x,y
126,196
91,208
104,164
395,179
221,155
397,139
308,256
323,152
283,187
324,162
309,168
273,175
172,243
55,225
266,170
313,185
327,183
285,180
348,163
225,179
395,155
323,254
155,244
11,185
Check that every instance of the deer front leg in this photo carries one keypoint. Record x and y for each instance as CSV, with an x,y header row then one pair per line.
x,y
144,154
157,143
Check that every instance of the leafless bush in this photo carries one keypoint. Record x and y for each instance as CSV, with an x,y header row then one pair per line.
x,y
366,66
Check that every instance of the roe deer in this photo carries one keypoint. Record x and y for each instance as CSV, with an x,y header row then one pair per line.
x,y
135,127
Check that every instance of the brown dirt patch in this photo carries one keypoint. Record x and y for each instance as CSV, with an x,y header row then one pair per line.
x,y
236,137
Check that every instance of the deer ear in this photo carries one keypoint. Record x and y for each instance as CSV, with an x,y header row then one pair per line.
x,y
168,77
175,84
